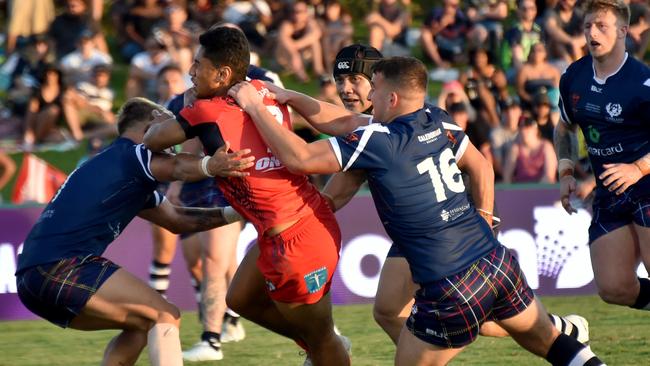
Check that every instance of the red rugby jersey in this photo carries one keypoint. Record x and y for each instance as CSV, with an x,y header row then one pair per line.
x,y
270,195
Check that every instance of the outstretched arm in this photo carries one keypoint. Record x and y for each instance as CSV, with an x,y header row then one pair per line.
x,y
298,156
325,117
191,168
189,219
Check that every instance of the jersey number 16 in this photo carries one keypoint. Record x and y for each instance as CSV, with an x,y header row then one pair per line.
x,y
444,173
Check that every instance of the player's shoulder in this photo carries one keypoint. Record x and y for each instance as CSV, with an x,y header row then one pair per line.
x,y
203,110
637,70
584,64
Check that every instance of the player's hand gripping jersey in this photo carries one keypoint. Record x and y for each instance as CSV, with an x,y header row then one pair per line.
x,y
418,190
613,115
271,195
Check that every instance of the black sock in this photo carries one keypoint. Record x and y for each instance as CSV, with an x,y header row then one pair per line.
x,y
643,300
214,339
566,350
159,276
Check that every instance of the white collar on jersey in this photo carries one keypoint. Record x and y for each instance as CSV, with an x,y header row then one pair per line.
x,y
602,81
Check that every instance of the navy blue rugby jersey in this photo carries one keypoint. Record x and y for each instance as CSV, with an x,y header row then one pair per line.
x,y
93,206
612,113
418,190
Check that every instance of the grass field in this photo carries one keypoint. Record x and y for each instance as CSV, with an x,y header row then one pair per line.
x,y
618,335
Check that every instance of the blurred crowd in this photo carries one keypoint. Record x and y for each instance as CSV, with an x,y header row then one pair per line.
x,y
495,65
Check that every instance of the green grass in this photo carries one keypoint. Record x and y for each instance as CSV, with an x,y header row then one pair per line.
x,y
618,335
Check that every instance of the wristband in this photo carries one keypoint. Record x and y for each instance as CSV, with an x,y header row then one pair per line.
x,y
486,212
230,215
643,165
565,167
204,166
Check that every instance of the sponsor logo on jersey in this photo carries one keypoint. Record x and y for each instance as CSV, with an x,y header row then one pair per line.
x,y
454,213
605,151
593,134
343,65
429,136
268,163
614,110
351,138
452,138
596,89
414,309
593,108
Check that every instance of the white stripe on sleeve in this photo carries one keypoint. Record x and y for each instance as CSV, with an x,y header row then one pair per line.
x,y
145,161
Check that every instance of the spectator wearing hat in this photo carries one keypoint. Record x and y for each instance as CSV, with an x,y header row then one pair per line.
x,y
77,65
67,28
89,105
532,158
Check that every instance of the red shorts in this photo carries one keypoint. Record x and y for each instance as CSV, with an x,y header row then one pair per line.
x,y
298,263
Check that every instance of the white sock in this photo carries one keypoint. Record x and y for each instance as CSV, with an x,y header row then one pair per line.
x,y
164,345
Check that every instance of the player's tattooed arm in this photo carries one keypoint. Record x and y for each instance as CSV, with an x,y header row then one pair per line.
x,y
189,219
566,147
190,168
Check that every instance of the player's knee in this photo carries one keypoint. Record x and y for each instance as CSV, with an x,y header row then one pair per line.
x,y
617,295
170,315
384,314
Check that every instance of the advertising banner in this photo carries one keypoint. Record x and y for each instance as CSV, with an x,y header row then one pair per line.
x,y
550,245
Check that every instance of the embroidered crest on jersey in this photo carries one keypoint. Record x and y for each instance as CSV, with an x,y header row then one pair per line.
x,y
575,98
351,137
613,109
315,280
452,139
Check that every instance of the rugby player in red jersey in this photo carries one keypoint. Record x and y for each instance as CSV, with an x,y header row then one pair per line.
x,y
299,239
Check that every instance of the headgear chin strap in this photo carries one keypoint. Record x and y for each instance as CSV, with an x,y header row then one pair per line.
x,y
356,59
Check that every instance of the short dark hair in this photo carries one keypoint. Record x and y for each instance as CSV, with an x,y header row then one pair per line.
x,y
135,111
407,73
227,46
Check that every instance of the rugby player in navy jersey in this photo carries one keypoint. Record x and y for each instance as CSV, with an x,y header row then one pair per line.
x,y
412,161
61,275
394,298
607,95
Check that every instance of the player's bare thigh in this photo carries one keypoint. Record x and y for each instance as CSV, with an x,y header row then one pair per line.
x,y
532,328
615,257
394,296
412,351
125,302
247,287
